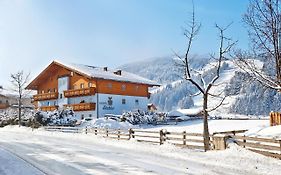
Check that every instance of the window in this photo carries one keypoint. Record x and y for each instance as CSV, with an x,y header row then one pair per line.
x,y
49,90
48,103
109,85
123,101
123,87
42,91
90,115
90,84
60,95
0,101
137,102
82,116
55,103
82,85
55,90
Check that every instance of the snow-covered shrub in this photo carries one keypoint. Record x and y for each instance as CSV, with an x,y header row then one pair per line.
x,y
9,116
143,117
63,117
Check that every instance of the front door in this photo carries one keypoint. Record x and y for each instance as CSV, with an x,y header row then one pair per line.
x,y
63,84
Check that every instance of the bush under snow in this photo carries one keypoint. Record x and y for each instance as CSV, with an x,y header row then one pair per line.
x,y
63,117
143,117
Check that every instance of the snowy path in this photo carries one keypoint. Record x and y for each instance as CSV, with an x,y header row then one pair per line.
x,y
60,153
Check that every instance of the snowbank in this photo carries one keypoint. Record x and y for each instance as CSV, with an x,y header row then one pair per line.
x,y
271,131
189,112
108,123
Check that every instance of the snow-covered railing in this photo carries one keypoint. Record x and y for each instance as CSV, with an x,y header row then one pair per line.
x,y
234,132
64,129
266,146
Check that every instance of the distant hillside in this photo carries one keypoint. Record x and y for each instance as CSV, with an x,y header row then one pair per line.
x,y
244,97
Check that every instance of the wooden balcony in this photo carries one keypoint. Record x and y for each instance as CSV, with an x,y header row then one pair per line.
x,y
82,106
80,92
48,108
4,105
45,96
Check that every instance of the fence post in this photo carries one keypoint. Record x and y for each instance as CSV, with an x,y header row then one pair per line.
x,y
131,133
96,131
244,141
161,136
118,134
280,145
184,137
106,131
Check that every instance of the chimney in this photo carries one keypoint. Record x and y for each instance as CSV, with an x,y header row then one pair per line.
x,y
118,72
105,68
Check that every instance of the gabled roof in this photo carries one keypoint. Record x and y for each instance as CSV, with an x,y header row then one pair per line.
x,y
93,72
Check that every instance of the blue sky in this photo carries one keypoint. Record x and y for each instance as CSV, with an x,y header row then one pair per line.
x,y
107,32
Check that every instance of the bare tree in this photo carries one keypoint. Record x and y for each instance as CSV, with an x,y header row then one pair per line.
x,y
19,80
263,19
190,75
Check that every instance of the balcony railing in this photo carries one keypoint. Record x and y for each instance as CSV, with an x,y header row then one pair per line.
x,y
45,96
4,105
82,106
80,92
48,108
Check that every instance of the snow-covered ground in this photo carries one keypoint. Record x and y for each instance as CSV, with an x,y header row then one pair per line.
x,y
214,125
65,153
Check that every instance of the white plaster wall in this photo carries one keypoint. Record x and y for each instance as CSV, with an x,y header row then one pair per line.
x,y
78,115
117,107
63,84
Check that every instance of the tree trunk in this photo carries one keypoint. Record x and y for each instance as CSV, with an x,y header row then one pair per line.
x,y
205,118
19,112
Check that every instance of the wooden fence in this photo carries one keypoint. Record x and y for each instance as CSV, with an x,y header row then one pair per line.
x,y
266,146
64,129
183,139
275,118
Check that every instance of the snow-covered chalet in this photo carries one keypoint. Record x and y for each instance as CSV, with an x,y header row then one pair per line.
x,y
90,91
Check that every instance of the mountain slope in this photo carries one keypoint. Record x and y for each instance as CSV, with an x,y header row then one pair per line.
x,y
243,97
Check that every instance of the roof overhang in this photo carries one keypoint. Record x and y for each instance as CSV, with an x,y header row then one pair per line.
x,y
50,68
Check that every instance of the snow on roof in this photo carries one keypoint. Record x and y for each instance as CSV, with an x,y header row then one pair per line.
x,y
181,112
98,72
